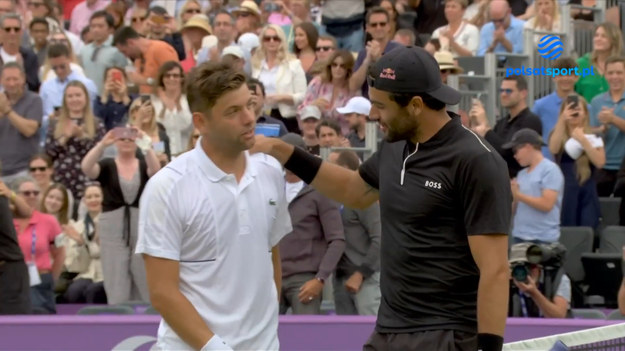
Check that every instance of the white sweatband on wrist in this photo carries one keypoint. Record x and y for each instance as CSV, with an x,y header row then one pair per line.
x,y
216,343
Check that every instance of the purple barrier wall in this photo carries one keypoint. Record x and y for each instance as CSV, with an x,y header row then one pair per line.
x,y
296,332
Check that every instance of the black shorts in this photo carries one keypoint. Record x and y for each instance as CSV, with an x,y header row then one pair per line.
x,y
432,340
14,288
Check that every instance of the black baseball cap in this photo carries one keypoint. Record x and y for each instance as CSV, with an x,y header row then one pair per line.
x,y
524,136
411,70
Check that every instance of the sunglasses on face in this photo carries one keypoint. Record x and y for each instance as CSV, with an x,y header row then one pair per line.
x,y
506,91
29,193
378,24
272,38
192,11
137,19
324,48
336,65
38,169
445,71
12,29
244,14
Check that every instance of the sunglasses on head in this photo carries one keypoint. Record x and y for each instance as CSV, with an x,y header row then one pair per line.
x,y
30,193
38,169
324,48
12,29
272,38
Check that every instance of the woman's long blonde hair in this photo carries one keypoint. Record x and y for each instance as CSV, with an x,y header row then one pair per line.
x,y
89,120
283,51
555,15
616,41
132,114
582,164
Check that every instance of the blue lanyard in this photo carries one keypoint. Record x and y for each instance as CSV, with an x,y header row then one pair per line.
x,y
523,304
32,245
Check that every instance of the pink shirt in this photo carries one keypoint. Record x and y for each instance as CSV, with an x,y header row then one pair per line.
x,y
46,229
319,89
82,14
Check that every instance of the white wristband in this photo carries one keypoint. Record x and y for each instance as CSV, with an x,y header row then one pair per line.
x,y
216,343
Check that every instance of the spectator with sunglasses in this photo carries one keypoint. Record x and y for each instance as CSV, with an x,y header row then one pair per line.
x,y
282,74
189,9
123,179
137,20
45,71
20,118
12,51
330,90
171,107
378,27
513,96
41,170
100,54
36,234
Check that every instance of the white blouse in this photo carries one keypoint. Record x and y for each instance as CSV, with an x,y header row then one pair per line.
x,y
467,36
178,123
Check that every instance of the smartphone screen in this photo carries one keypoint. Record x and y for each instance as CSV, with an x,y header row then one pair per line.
x,y
572,99
117,76
268,130
124,133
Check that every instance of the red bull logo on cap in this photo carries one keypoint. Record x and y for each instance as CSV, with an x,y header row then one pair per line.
x,y
388,73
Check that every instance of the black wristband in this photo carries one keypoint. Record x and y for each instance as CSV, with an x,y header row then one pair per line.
x,y
303,164
489,342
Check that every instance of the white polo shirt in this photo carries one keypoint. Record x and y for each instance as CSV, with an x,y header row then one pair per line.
x,y
222,233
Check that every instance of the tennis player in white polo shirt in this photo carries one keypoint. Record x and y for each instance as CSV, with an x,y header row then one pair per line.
x,y
209,227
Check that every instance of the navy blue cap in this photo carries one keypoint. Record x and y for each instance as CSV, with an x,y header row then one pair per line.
x,y
411,70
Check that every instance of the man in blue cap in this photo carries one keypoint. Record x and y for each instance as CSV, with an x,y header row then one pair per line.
x,y
445,203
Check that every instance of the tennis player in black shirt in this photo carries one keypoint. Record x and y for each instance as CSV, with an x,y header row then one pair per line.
x,y
445,203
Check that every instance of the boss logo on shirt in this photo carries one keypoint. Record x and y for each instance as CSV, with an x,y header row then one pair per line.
x,y
433,185
272,202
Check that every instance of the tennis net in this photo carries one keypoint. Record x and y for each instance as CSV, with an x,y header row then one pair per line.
x,y
608,338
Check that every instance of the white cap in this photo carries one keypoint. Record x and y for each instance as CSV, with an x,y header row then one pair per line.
x,y
573,148
233,50
310,111
248,42
358,104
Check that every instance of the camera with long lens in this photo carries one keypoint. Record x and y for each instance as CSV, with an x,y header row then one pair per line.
x,y
523,255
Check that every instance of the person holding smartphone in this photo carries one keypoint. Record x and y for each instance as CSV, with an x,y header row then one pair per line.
x,y
122,179
579,153
114,102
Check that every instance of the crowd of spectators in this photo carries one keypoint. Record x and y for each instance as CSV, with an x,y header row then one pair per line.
x,y
94,103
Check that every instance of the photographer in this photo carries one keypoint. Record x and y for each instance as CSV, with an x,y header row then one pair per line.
x,y
539,286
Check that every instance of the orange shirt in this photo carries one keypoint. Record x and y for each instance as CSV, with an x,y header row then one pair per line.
x,y
157,53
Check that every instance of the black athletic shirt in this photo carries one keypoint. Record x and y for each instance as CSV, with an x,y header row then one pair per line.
x,y
9,248
455,185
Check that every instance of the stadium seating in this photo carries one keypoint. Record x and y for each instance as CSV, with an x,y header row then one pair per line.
x,y
616,315
577,240
612,239
587,313
96,310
